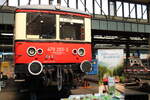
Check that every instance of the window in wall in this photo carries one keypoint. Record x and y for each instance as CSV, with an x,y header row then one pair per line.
x,y
24,2
73,4
55,2
132,11
2,2
126,9
13,2
139,11
98,7
144,12
64,3
44,2
112,9
105,7
119,9
34,2
89,6
81,5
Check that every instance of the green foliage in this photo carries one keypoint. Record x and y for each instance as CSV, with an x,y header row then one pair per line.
x,y
110,72
118,71
122,79
111,89
104,70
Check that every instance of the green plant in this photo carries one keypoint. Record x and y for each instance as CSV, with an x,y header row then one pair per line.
x,y
103,70
118,71
122,79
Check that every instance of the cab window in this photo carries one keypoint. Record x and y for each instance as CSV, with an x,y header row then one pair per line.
x,y
71,28
41,26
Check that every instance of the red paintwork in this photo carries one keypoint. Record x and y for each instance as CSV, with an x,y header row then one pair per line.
x,y
55,12
53,52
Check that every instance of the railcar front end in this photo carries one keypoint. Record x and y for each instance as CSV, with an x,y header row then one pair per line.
x,y
52,44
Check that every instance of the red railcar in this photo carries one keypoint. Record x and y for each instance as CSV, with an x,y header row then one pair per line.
x,y
52,42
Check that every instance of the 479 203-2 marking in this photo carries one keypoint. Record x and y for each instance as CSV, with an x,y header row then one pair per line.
x,y
58,49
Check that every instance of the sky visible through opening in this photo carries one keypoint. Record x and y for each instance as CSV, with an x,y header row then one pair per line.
x,y
72,4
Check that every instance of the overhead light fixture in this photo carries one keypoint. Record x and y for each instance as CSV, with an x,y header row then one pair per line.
x,y
7,34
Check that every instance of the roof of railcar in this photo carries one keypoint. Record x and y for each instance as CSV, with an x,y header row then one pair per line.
x,y
52,7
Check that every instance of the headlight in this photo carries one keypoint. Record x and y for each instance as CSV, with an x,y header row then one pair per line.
x,y
40,51
86,66
35,68
74,51
31,51
81,51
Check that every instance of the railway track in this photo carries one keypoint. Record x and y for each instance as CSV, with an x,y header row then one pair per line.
x,y
11,92
133,92
14,91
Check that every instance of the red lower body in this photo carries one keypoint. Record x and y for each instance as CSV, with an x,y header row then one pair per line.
x,y
53,52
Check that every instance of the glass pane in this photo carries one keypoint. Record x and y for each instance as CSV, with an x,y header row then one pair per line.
x,y
64,3
119,9
89,6
97,7
24,2
45,2
13,3
105,7
139,11
144,12
34,2
126,9
132,10
40,25
72,4
112,9
55,2
2,2
71,28
81,5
